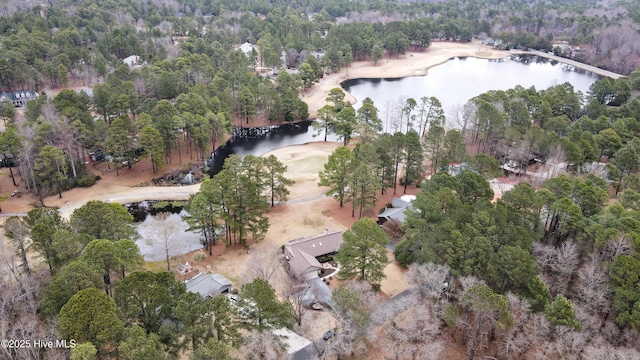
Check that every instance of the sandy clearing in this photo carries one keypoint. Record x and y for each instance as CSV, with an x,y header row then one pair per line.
x,y
304,162
394,283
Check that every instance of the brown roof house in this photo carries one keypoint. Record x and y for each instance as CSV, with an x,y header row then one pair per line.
x,y
303,253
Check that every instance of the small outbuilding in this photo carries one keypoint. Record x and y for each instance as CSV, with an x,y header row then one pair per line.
x,y
298,347
209,285
397,210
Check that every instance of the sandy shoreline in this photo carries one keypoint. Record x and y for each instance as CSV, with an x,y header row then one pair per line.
x,y
417,64
409,64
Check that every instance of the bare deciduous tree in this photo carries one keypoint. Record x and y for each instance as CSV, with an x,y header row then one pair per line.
x,y
469,281
428,279
17,231
592,287
369,299
608,352
464,117
388,310
262,345
564,343
412,334
165,230
263,263
620,244
565,264
514,342
347,342
557,160
558,264
18,311
298,292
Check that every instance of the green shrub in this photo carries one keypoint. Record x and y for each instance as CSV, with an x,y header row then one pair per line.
x,y
161,204
86,180
199,256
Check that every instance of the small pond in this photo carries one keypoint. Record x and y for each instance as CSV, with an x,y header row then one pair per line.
x,y
154,232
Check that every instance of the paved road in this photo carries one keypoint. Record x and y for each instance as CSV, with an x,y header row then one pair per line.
x,y
577,64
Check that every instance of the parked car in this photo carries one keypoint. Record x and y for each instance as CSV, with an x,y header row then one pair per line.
x,y
329,334
7,160
97,155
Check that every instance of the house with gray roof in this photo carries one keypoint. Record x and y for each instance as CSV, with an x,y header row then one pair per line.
x,y
18,98
396,212
209,285
298,347
303,253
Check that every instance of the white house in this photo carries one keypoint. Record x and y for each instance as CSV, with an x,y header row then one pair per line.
x,y
132,60
247,48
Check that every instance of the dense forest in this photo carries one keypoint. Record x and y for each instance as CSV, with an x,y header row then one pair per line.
x,y
551,270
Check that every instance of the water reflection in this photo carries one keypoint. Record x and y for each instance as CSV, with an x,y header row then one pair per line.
x,y
152,237
460,79
285,135
453,83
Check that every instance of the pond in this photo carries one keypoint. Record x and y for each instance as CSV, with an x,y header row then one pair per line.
x,y
286,135
453,83
460,79
156,235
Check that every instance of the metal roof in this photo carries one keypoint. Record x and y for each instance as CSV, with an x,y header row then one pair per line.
x,y
208,285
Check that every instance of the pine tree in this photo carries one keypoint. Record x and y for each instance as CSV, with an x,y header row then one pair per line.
x,y
363,254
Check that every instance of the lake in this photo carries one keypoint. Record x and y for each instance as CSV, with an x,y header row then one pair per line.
x,y
453,83
460,79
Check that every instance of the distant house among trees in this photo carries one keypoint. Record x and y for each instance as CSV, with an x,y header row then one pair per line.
x,y
396,212
514,160
303,253
209,285
247,48
18,98
132,60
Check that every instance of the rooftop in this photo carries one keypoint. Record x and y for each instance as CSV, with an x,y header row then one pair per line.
x,y
208,285
297,346
305,251
18,95
397,211
317,245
